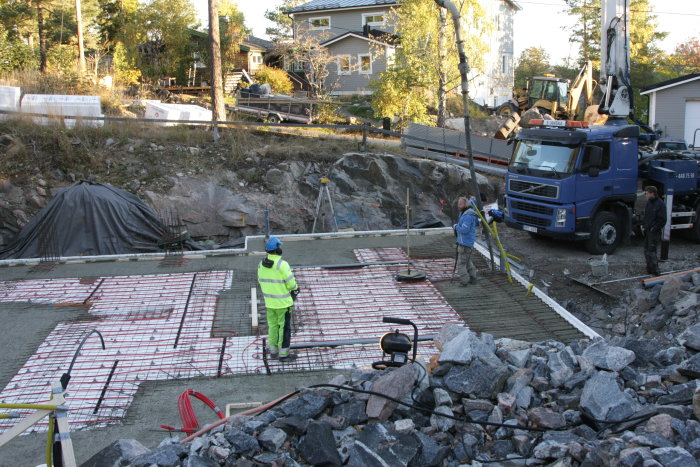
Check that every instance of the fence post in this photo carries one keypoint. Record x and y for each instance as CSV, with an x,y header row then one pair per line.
x,y
363,144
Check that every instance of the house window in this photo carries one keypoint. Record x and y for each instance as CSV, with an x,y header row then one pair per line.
x,y
505,64
373,19
365,61
257,59
322,22
344,65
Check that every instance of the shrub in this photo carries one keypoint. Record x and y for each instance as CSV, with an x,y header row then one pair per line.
x,y
455,106
326,114
15,54
276,78
125,66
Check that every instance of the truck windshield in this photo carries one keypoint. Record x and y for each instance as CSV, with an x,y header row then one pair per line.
x,y
543,158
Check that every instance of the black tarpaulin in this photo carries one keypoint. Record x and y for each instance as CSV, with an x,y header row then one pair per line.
x,y
86,219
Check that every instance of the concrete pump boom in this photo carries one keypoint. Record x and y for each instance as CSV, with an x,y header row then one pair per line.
x,y
615,60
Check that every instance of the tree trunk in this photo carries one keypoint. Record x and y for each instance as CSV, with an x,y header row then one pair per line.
x,y
42,37
217,85
442,72
81,48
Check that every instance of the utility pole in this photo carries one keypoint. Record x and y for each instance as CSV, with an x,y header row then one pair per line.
x,y
442,72
81,46
464,71
218,113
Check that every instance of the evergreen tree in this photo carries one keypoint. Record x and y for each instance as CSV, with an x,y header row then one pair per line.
x,y
282,30
645,56
533,61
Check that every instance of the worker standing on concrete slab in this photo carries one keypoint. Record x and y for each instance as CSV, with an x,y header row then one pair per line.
x,y
465,228
654,222
279,289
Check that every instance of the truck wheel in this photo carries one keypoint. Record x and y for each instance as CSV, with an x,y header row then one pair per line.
x,y
272,118
506,110
605,235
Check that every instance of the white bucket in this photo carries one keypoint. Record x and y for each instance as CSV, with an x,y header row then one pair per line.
x,y
598,267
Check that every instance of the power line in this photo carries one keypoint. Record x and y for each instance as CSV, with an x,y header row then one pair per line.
x,y
598,8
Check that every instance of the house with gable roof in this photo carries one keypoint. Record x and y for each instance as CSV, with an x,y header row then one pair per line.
x,y
674,107
361,37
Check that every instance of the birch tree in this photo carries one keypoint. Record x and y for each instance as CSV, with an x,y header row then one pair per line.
x,y
425,69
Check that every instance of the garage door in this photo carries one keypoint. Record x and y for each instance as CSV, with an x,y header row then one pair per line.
x,y
692,122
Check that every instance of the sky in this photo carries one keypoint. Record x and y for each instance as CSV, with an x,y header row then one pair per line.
x,y
680,18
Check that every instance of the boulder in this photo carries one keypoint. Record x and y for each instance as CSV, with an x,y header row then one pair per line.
x,y
483,379
608,357
602,398
119,453
466,346
691,337
317,447
396,384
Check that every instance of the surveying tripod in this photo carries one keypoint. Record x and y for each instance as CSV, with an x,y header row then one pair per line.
x,y
324,188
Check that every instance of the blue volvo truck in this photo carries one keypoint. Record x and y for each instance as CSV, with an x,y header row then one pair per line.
x,y
570,181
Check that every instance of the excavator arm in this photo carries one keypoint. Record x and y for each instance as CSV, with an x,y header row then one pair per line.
x,y
582,85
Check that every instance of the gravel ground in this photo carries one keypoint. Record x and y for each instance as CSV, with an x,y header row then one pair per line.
x,y
564,269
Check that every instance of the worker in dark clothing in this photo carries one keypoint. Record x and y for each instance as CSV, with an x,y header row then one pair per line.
x,y
279,290
654,222
465,228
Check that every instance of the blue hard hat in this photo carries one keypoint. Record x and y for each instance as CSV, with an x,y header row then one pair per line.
x,y
272,244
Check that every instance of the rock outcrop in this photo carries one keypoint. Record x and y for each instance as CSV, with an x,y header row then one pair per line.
x,y
368,192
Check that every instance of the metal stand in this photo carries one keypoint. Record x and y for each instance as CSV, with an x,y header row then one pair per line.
x,y
408,275
319,203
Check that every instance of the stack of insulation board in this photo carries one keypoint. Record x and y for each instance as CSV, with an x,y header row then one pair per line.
x,y
63,106
177,113
9,100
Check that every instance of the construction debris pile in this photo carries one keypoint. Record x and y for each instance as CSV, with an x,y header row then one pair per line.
x,y
660,312
481,400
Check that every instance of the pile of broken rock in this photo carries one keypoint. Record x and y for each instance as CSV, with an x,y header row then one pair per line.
x,y
589,403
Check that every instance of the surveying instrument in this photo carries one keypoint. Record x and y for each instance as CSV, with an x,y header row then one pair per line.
x,y
320,201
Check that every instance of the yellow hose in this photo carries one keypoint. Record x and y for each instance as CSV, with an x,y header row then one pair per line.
x,y
29,406
530,286
494,233
49,444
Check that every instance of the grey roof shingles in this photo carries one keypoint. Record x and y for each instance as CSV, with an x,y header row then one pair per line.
x,y
314,5
265,44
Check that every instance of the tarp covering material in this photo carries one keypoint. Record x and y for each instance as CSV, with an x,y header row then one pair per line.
x,y
88,219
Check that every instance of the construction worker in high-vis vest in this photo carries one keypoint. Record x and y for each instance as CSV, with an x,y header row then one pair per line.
x,y
279,289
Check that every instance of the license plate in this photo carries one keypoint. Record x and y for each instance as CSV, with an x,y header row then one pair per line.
x,y
530,228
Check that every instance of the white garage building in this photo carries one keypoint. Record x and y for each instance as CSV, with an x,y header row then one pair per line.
x,y
674,107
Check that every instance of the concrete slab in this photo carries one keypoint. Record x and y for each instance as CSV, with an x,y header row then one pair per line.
x,y
486,306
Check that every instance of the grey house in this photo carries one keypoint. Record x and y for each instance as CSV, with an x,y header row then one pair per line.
x,y
359,34
355,32
674,107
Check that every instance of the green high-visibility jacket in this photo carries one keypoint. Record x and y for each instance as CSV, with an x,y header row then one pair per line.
x,y
276,281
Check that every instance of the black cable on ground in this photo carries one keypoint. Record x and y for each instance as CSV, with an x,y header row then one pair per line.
x,y
453,417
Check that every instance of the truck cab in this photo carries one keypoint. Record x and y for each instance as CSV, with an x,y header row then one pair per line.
x,y
570,181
